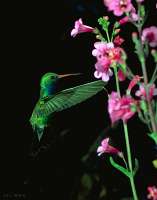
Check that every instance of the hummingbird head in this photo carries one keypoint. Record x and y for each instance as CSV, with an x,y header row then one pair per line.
x,y
50,78
48,83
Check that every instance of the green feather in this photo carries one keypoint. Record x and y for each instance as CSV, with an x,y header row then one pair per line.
x,y
61,101
72,96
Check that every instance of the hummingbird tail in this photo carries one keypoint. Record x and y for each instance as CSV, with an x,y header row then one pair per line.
x,y
38,124
39,132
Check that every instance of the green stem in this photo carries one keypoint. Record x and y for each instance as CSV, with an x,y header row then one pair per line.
x,y
107,34
117,81
99,35
127,144
154,76
130,161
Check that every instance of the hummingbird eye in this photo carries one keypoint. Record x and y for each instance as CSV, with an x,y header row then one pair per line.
x,y
54,76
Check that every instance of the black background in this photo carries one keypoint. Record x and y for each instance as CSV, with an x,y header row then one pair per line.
x,y
37,40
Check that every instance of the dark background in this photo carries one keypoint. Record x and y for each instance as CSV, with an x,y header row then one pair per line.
x,y
37,40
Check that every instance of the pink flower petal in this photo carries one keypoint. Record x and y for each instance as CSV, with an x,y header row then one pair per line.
x,y
105,142
120,108
97,74
106,148
74,32
149,35
80,28
119,7
105,77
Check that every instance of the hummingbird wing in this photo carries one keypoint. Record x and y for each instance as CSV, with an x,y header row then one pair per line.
x,y
72,96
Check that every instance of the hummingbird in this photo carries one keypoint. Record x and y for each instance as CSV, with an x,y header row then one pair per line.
x,y
51,101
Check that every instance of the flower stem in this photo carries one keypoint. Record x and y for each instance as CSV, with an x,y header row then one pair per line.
x,y
127,144
99,35
154,76
117,81
130,161
107,34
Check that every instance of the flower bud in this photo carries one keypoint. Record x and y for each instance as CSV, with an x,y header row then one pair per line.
x,y
134,37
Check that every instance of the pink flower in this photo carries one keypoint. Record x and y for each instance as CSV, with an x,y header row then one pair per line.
x,y
120,108
133,15
106,148
134,81
80,28
152,192
101,49
107,55
119,7
142,93
103,69
103,63
150,35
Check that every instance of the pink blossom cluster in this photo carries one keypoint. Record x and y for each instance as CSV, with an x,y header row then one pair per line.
x,y
120,107
103,63
107,55
119,7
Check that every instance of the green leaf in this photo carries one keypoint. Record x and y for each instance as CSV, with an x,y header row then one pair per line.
x,y
120,168
116,24
155,163
103,22
136,41
153,135
154,54
133,107
123,67
143,106
142,11
124,55
136,167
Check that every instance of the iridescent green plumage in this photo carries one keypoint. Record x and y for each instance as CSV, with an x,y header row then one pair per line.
x,y
51,102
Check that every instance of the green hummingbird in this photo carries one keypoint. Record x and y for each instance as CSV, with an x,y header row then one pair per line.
x,y
51,101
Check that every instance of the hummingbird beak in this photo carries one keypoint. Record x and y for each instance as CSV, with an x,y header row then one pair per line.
x,y
66,75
